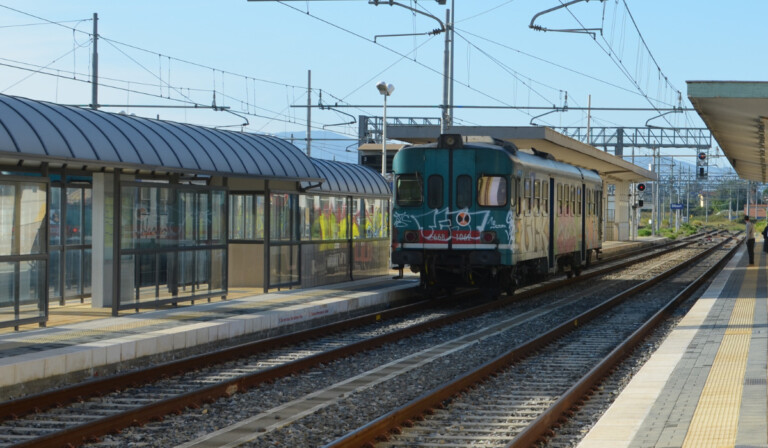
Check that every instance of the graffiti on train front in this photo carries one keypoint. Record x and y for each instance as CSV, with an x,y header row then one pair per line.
x,y
433,225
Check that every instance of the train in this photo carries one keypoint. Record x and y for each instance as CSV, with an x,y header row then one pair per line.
x,y
480,212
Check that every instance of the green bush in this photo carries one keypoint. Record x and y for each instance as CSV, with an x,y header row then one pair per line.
x,y
644,232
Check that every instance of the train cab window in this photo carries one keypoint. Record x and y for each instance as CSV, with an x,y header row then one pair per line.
x,y
537,196
463,191
578,201
559,199
544,197
492,191
435,191
408,190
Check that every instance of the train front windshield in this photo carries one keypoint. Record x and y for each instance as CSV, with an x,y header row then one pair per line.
x,y
409,190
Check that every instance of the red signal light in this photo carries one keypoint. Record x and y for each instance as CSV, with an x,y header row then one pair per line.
x,y
702,156
640,187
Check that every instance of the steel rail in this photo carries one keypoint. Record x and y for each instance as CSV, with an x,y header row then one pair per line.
x,y
46,400
437,397
90,431
538,430
35,403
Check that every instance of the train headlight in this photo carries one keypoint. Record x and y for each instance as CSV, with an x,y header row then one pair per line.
x,y
411,236
488,237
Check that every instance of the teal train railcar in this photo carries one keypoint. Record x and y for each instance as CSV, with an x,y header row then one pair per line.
x,y
481,212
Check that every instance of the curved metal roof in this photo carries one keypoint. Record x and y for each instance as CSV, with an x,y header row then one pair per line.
x,y
53,133
347,178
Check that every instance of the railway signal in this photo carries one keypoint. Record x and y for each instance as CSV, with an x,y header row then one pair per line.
x,y
641,187
701,163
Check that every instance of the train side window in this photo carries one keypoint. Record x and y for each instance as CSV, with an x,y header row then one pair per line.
x,y
435,191
492,191
598,202
408,190
567,199
559,199
463,191
518,194
573,201
544,197
578,201
537,196
588,196
513,192
527,194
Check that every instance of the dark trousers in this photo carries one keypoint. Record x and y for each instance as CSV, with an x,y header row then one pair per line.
x,y
751,250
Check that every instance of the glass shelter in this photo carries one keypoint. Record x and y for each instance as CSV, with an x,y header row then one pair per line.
x,y
139,213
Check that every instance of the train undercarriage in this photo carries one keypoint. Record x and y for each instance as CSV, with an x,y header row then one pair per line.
x,y
444,271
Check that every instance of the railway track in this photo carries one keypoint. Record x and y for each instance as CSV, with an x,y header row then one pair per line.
x,y
90,419
522,397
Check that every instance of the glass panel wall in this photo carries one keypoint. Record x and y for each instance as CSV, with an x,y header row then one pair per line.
x,y
284,240
173,243
343,238
23,251
70,225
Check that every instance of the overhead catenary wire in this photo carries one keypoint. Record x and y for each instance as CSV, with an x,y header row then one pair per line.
x,y
431,69
617,61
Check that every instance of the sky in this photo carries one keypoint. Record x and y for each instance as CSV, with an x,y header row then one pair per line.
x,y
253,58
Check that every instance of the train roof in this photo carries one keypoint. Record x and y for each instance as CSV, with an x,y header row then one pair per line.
x,y
528,157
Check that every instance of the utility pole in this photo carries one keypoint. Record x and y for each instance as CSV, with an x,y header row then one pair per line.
x,y
657,204
446,121
309,113
95,74
687,196
450,26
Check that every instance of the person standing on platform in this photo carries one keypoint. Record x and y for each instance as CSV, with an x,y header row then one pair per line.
x,y
765,238
750,231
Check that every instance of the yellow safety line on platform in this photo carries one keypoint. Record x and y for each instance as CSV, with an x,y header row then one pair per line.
x,y
716,419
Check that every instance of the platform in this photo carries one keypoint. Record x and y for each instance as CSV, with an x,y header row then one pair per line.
x,y
96,347
80,342
706,384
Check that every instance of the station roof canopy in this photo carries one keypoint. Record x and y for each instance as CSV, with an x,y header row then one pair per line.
x,y
347,178
34,132
736,112
563,148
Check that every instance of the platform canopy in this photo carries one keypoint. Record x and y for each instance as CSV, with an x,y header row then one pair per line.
x,y
35,132
736,112
347,178
563,148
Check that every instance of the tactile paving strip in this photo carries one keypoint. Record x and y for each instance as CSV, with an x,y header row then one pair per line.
x,y
715,421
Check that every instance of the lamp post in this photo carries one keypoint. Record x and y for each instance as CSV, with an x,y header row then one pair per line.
x,y
386,90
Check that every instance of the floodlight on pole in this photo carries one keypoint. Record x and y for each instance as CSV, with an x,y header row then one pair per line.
x,y
386,90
